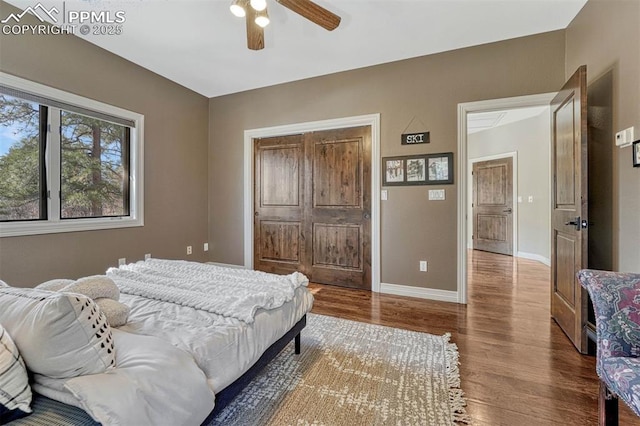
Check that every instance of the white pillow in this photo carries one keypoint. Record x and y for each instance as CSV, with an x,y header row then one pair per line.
x,y
59,335
15,392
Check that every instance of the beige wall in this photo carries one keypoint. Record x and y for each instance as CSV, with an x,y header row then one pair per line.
x,y
428,88
606,37
175,160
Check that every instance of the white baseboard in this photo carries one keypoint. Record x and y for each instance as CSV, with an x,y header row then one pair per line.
x,y
423,293
227,265
533,256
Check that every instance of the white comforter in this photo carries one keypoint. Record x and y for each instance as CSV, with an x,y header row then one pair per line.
x,y
235,293
172,357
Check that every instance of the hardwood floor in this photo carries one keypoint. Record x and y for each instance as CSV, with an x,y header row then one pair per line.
x,y
516,365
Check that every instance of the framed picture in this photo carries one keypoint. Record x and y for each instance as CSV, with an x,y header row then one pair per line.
x,y
416,170
421,169
439,168
636,153
393,171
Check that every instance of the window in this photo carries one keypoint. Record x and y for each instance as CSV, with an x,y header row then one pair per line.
x,y
94,167
22,173
67,163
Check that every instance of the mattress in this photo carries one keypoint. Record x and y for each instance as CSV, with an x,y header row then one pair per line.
x,y
224,348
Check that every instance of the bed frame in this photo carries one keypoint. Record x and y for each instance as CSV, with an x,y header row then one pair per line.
x,y
225,396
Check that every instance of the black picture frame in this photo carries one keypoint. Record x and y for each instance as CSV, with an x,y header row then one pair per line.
x,y
636,153
440,168
409,170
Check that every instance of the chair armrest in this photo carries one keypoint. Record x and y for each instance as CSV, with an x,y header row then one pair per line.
x,y
616,303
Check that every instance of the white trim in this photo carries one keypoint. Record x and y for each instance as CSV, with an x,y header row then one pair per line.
x,y
536,257
514,187
136,169
422,293
463,110
372,120
227,265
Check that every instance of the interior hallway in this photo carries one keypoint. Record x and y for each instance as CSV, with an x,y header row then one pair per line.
x,y
517,367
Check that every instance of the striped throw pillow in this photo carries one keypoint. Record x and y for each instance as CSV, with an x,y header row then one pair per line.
x,y
15,393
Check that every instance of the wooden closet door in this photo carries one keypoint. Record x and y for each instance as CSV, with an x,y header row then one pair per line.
x,y
338,210
279,205
313,206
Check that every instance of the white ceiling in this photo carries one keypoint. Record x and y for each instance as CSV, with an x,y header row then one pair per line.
x,y
479,121
201,45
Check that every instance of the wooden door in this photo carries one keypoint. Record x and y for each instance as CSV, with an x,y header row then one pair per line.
x,y
569,207
313,206
279,201
339,207
493,206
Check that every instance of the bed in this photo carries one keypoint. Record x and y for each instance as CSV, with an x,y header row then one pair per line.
x,y
205,327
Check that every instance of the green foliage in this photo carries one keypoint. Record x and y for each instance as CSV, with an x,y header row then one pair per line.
x,y
92,164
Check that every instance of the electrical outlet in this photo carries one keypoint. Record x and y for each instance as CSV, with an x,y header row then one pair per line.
x,y
122,261
206,246
189,249
531,198
147,256
423,266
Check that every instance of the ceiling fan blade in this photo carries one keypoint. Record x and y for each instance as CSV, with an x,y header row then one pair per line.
x,y
313,12
255,33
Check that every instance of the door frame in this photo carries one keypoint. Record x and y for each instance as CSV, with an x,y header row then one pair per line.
x,y
514,183
543,99
372,120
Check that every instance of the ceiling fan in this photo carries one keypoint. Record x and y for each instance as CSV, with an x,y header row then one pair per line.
x,y
257,17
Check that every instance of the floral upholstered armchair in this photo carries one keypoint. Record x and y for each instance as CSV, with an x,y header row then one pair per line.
x,y
616,302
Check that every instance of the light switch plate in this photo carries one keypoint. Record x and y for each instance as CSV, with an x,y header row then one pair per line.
x,y
531,198
519,198
625,137
384,196
436,194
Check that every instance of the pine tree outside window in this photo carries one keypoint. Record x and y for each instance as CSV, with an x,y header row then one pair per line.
x,y
67,163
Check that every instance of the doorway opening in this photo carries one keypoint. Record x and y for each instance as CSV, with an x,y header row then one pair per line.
x,y
479,137
493,212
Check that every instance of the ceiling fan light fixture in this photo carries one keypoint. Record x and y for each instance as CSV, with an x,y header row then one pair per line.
x,y
262,18
259,5
238,8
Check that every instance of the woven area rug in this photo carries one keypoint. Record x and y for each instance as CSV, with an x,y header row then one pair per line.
x,y
352,373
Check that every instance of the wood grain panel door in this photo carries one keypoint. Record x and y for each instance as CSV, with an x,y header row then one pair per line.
x,y
339,206
313,206
279,201
569,207
493,206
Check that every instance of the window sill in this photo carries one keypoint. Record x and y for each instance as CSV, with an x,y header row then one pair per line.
x,y
17,229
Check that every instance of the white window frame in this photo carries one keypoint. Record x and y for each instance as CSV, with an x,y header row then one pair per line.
x,y
53,224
